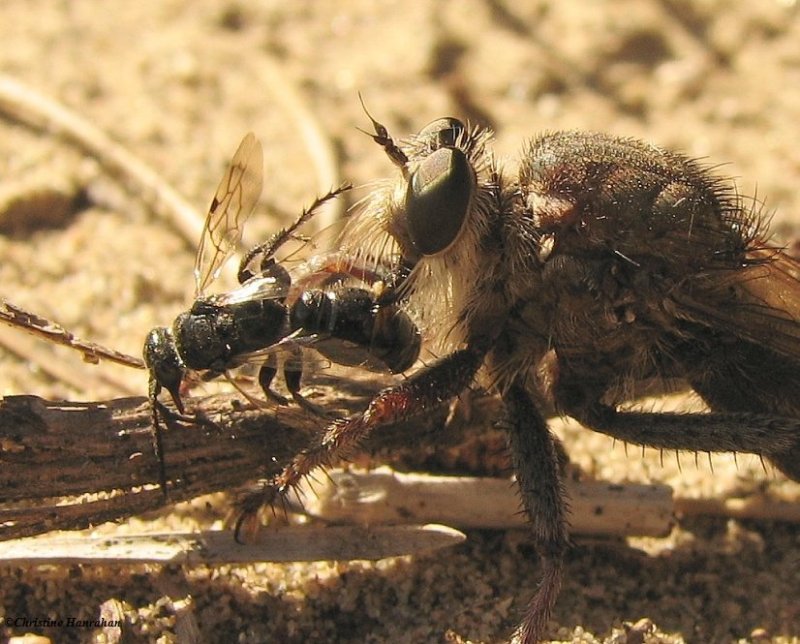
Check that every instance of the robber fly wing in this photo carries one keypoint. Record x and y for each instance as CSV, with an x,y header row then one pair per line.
x,y
759,302
236,196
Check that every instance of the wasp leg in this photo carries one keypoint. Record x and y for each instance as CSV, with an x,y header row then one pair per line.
x,y
774,437
266,374
268,249
537,462
421,392
293,375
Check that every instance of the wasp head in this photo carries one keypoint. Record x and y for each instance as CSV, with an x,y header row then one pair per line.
x,y
164,364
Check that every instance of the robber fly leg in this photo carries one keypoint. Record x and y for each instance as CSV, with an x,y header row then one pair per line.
x,y
419,393
788,461
774,437
536,458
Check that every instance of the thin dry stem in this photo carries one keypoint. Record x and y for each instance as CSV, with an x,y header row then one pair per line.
x,y
284,544
72,465
55,333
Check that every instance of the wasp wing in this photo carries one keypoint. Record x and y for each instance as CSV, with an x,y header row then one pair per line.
x,y
288,353
333,349
236,196
260,287
285,282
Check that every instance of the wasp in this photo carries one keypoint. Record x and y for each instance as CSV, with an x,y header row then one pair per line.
x,y
602,263
274,309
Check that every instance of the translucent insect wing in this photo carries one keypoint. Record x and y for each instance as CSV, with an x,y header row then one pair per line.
x,y
236,196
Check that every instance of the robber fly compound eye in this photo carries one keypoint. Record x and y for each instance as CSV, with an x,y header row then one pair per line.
x,y
442,133
437,201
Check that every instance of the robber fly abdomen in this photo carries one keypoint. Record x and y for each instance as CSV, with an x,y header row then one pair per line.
x,y
604,263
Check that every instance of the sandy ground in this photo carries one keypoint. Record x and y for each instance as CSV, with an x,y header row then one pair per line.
x,y
178,83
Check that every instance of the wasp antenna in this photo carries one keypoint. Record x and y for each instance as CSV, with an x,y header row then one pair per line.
x,y
158,447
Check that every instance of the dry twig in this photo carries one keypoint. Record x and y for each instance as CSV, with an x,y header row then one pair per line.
x,y
72,465
284,544
384,496
34,352
317,143
55,333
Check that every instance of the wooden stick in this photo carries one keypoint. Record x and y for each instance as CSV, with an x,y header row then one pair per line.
x,y
291,543
72,465
384,496
54,453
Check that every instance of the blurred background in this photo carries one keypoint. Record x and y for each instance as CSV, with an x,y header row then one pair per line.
x,y
178,83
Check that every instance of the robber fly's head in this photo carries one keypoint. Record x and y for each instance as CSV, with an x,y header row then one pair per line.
x,y
441,166
164,363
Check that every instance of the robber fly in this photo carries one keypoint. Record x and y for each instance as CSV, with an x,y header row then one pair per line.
x,y
604,263
274,309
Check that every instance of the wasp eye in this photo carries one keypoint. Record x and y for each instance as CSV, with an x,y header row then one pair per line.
x,y
442,133
437,200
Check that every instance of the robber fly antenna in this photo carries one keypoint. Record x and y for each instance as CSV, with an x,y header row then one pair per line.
x,y
384,139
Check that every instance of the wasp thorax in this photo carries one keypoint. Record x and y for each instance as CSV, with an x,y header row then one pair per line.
x,y
437,201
